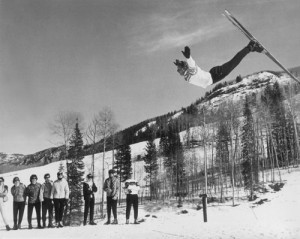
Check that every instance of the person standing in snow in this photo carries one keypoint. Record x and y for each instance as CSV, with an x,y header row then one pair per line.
x,y
47,204
132,199
60,196
35,197
111,187
196,76
18,192
89,188
3,199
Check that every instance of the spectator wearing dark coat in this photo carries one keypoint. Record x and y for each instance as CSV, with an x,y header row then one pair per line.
x,y
34,198
47,205
19,198
111,187
89,188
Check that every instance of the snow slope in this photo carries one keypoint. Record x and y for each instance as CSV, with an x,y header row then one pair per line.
x,y
278,217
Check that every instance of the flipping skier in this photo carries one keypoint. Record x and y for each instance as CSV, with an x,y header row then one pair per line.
x,y
196,76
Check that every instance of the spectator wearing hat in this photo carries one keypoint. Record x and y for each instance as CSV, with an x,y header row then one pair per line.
x,y
111,187
131,190
60,196
89,188
18,192
3,199
47,204
34,198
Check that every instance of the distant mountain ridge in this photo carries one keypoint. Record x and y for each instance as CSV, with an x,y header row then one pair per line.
x,y
236,90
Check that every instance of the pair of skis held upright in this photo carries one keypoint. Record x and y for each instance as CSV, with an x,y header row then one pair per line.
x,y
236,23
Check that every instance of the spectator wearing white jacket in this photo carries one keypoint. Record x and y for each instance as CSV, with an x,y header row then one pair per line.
x,y
132,199
3,199
60,196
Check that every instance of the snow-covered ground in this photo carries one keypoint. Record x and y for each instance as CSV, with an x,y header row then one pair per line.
x,y
277,217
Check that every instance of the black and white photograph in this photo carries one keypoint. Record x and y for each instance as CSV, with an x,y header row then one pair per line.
x,y
150,119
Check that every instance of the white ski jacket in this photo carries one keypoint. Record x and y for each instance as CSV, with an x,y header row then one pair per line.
x,y
196,76
60,189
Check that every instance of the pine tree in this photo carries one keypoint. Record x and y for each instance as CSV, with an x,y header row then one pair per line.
x,y
222,148
172,150
122,162
151,165
248,148
75,174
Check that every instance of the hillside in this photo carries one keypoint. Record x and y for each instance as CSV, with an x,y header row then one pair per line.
x,y
236,90
274,214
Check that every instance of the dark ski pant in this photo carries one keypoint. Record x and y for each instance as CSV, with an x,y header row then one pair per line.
x,y
59,205
18,208
220,72
132,199
37,207
89,204
47,206
111,206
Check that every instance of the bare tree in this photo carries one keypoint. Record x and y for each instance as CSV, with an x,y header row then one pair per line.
x,y
63,126
292,105
233,112
92,136
107,126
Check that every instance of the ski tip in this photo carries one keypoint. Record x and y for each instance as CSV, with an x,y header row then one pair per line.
x,y
227,12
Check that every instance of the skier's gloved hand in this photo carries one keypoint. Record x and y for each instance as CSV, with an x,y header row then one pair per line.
x,y
186,52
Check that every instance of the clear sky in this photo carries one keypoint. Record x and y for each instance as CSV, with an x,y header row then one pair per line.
x,y
83,55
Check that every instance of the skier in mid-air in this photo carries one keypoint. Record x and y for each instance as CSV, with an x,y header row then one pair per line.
x,y
196,76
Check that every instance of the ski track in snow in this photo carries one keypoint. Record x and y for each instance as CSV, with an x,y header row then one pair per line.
x,y
276,218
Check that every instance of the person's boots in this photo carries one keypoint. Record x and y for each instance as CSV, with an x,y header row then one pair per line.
x,y
84,223
60,225
127,221
7,227
254,46
19,226
29,226
93,223
51,225
108,222
115,221
44,224
40,226
136,222
15,227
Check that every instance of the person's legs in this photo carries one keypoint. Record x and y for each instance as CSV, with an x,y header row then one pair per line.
x,y
109,204
15,213
220,72
135,201
44,211
50,211
2,211
21,206
86,211
29,214
37,206
56,208
114,208
92,205
128,206
61,208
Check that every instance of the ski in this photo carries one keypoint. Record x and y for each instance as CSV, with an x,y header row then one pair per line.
x,y
237,24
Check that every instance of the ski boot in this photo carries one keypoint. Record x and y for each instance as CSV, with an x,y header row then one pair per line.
x,y
115,221
254,46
